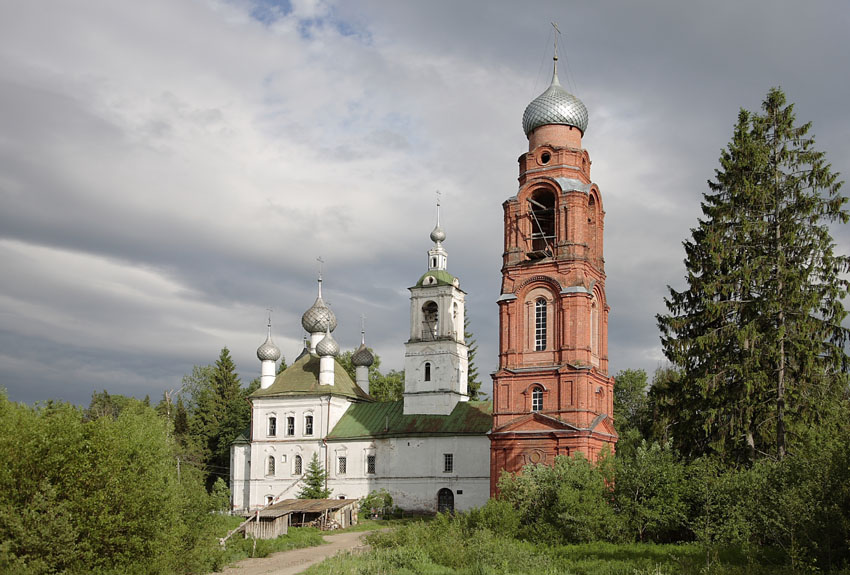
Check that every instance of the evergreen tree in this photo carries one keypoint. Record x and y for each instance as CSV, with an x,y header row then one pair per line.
x,y
757,334
472,383
315,481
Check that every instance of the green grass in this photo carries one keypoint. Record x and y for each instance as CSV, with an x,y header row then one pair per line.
x,y
417,549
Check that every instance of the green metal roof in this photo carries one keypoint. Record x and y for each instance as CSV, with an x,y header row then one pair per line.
x,y
443,278
302,378
387,419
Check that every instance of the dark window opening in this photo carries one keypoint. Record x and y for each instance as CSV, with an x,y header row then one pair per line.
x,y
448,462
542,212
290,426
298,465
272,426
427,371
430,315
545,157
445,501
342,466
308,425
370,464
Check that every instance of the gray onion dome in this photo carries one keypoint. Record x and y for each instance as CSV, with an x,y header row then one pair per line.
x,y
268,351
328,346
438,235
362,357
319,318
555,106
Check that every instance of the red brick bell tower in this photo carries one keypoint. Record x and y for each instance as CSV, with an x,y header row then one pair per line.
x,y
552,394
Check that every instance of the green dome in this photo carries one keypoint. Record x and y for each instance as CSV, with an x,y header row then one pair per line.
x,y
441,278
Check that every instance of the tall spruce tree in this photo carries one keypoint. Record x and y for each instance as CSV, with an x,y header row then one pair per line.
x,y
758,333
472,383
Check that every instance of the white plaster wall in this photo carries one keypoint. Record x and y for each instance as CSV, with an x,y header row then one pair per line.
x,y
251,482
411,469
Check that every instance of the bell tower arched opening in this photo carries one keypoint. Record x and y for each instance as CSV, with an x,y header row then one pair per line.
x,y
542,213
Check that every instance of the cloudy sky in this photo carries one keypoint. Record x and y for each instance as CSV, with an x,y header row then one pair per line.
x,y
170,169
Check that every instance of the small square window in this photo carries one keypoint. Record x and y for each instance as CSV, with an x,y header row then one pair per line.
x,y
370,464
341,465
290,426
448,462
308,425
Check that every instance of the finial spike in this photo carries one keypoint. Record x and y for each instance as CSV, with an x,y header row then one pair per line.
x,y
438,208
270,310
363,329
321,266
555,55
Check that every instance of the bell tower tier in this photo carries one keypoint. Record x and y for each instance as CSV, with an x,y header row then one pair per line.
x,y
436,356
552,394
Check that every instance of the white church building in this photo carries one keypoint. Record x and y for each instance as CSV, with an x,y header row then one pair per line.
x,y
430,450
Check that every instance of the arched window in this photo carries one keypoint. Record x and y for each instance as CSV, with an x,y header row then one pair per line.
x,y
594,327
540,310
537,399
430,315
270,467
445,501
427,371
542,212
591,227
297,465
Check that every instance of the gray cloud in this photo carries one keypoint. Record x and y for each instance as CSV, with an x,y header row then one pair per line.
x,y
169,171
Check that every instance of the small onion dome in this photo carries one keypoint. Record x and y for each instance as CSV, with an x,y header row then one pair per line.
x,y
318,318
328,346
268,351
438,235
555,106
362,357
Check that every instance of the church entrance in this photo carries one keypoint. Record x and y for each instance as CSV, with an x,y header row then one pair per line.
x,y
445,501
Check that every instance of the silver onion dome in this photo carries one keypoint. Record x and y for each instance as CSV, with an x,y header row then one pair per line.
x,y
268,351
362,357
328,346
438,235
555,106
319,318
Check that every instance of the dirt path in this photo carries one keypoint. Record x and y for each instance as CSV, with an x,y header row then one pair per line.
x,y
298,560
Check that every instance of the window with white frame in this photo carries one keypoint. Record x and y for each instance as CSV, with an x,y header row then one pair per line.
x,y
370,464
272,426
540,313
341,465
537,398
290,425
448,463
308,425
298,466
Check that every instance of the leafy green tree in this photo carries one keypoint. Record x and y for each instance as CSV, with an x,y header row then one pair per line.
x,y
378,502
630,400
472,382
315,481
82,495
104,404
389,387
758,332
567,502
650,493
